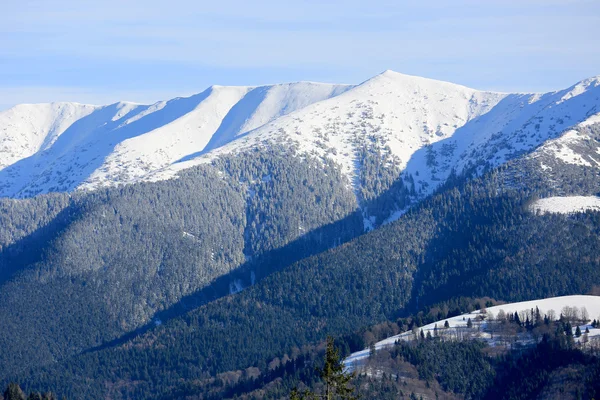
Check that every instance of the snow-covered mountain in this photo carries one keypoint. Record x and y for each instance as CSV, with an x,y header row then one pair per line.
x,y
66,146
428,128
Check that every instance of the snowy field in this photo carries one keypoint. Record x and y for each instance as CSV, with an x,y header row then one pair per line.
x,y
566,205
458,324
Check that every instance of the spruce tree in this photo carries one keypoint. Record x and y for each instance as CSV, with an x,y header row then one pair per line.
x,y
517,319
372,350
569,330
14,392
337,382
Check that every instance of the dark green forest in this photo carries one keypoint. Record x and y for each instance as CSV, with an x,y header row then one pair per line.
x,y
79,270
226,281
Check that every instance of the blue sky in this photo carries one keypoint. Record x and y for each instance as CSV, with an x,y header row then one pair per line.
x,y
104,51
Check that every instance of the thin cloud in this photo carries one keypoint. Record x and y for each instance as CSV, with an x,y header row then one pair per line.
x,y
488,44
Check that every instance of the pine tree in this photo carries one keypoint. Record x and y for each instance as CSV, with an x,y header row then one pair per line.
x,y
296,395
577,332
337,382
469,323
517,319
14,392
446,324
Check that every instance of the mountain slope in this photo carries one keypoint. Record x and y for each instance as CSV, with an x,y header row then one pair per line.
x,y
395,112
64,146
477,239
78,271
416,128
554,305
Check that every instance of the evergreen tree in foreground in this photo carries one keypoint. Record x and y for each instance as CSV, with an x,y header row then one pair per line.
x,y
337,382
14,392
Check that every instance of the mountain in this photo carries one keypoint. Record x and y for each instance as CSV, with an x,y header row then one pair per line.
x,y
298,211
477,238
65,146
425,128
124,258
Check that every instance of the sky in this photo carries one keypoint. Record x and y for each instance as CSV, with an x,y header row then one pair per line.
x,y
100,52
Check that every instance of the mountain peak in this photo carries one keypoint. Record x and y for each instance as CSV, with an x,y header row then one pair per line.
x,y
412,80
126,142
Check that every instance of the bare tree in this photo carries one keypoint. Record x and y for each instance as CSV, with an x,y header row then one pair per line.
x,y
584,339
490,325
571,314
501,316
585,316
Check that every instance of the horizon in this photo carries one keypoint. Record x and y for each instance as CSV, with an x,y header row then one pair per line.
x,y
286,83
144,52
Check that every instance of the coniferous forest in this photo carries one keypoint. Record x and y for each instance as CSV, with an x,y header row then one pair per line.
x,y
258,330
299,200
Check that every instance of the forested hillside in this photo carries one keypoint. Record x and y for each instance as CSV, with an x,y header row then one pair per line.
x,y
77,271
478,238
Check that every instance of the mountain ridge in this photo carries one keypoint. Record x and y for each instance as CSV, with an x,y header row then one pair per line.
x,y
424,127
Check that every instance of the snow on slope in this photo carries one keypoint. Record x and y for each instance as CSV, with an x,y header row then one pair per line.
x,y
429,128
62,147
28,128
566,205
591,304
578,146
402,112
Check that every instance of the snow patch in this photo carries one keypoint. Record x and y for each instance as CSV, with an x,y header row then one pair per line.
x,y
556,304
236,286
566,205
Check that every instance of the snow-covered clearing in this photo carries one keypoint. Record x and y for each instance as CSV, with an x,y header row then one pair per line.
x,y
566,205
458,325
